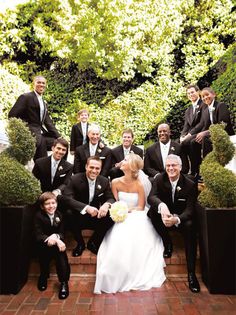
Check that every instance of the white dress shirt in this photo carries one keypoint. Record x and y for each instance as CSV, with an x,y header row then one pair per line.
x,y
92,149
164,151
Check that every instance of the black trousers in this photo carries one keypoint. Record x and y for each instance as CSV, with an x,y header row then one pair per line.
x,y
189,231
100,227
48,253
193,151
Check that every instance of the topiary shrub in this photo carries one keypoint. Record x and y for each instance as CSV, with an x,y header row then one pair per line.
x,y
18,186
220,183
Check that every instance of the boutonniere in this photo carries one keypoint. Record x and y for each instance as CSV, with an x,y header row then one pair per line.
x,y
172,148
99,150
101,145
60,168
178,188
57,220
99,186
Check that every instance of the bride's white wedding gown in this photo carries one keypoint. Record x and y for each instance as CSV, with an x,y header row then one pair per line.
x,y
131,254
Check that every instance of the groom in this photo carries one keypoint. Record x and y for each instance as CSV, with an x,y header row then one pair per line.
x,y
172,202
89,195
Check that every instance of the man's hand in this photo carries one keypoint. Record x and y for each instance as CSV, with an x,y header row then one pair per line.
x,y
61,245
102,212
51,240
92,211
185,137
201,135
164,210
169,220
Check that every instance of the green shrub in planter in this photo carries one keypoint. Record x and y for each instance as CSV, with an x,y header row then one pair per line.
x,y
220,183
17,185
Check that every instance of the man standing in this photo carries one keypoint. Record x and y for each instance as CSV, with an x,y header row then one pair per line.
x,y
156,154
32,108
119,153
53,171
172,202
89,195
93,148
192,125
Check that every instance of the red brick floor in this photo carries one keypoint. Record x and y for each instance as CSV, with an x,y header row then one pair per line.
x,y
173,297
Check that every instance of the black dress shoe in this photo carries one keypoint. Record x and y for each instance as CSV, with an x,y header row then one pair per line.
x,y
64,291
92,247
42,283
193,283
78,250
168,251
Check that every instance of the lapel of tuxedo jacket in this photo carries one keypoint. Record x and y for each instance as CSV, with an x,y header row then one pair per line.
x,y
167,187
158,158
36,102
60,170
45,111
79,126
86,151
83,191
214,114
178,187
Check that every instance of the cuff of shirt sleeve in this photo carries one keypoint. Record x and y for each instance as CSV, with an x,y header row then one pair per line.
x,y
177,217
84,211
159,207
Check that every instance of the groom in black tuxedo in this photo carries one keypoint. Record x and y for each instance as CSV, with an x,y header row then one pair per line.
x,y
32,108
172,203
89,195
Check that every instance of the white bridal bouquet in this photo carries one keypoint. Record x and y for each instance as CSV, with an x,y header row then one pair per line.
x,y
119,211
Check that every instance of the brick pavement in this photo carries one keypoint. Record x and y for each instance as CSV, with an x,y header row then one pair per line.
x,y
173,297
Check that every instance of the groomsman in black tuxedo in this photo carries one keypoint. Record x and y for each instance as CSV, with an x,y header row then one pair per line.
x,y
119,153
53,171
94,147
89,195
192,126
156,154
214,113
32,108
172,203
79,131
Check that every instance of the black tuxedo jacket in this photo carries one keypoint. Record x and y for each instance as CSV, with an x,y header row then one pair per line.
x,y
153,163
27,108
76,193
82,154
76,137
192,122
184,200
220,114
42,171
43,227
118,153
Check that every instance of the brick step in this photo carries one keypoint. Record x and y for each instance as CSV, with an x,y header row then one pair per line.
x,y
85,265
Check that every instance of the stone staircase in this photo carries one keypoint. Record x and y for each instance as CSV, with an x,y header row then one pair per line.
x,y
85,265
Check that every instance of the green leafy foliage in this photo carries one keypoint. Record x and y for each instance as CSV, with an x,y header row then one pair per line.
x,y
18,186
220,182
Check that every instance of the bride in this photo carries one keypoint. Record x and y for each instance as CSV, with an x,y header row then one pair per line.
x,y
131,254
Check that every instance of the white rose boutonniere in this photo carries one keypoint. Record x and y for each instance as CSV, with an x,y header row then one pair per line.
x,y
172,148
99,150
178,188
119,211
60,168
99,187
57,220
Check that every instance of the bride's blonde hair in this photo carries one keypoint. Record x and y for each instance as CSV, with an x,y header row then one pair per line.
x,y
135,164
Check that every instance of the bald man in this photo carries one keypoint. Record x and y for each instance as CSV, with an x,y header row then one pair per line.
x,y
156,154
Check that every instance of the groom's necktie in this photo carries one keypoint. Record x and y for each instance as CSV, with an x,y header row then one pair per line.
x,y
53,169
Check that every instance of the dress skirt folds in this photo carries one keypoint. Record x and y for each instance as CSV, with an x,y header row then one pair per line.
x,y
131,254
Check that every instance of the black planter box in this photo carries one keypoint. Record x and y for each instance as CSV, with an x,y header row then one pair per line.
x,y
16,238
217,242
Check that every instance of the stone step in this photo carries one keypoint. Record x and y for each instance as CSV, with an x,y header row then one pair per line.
x,y
85,265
